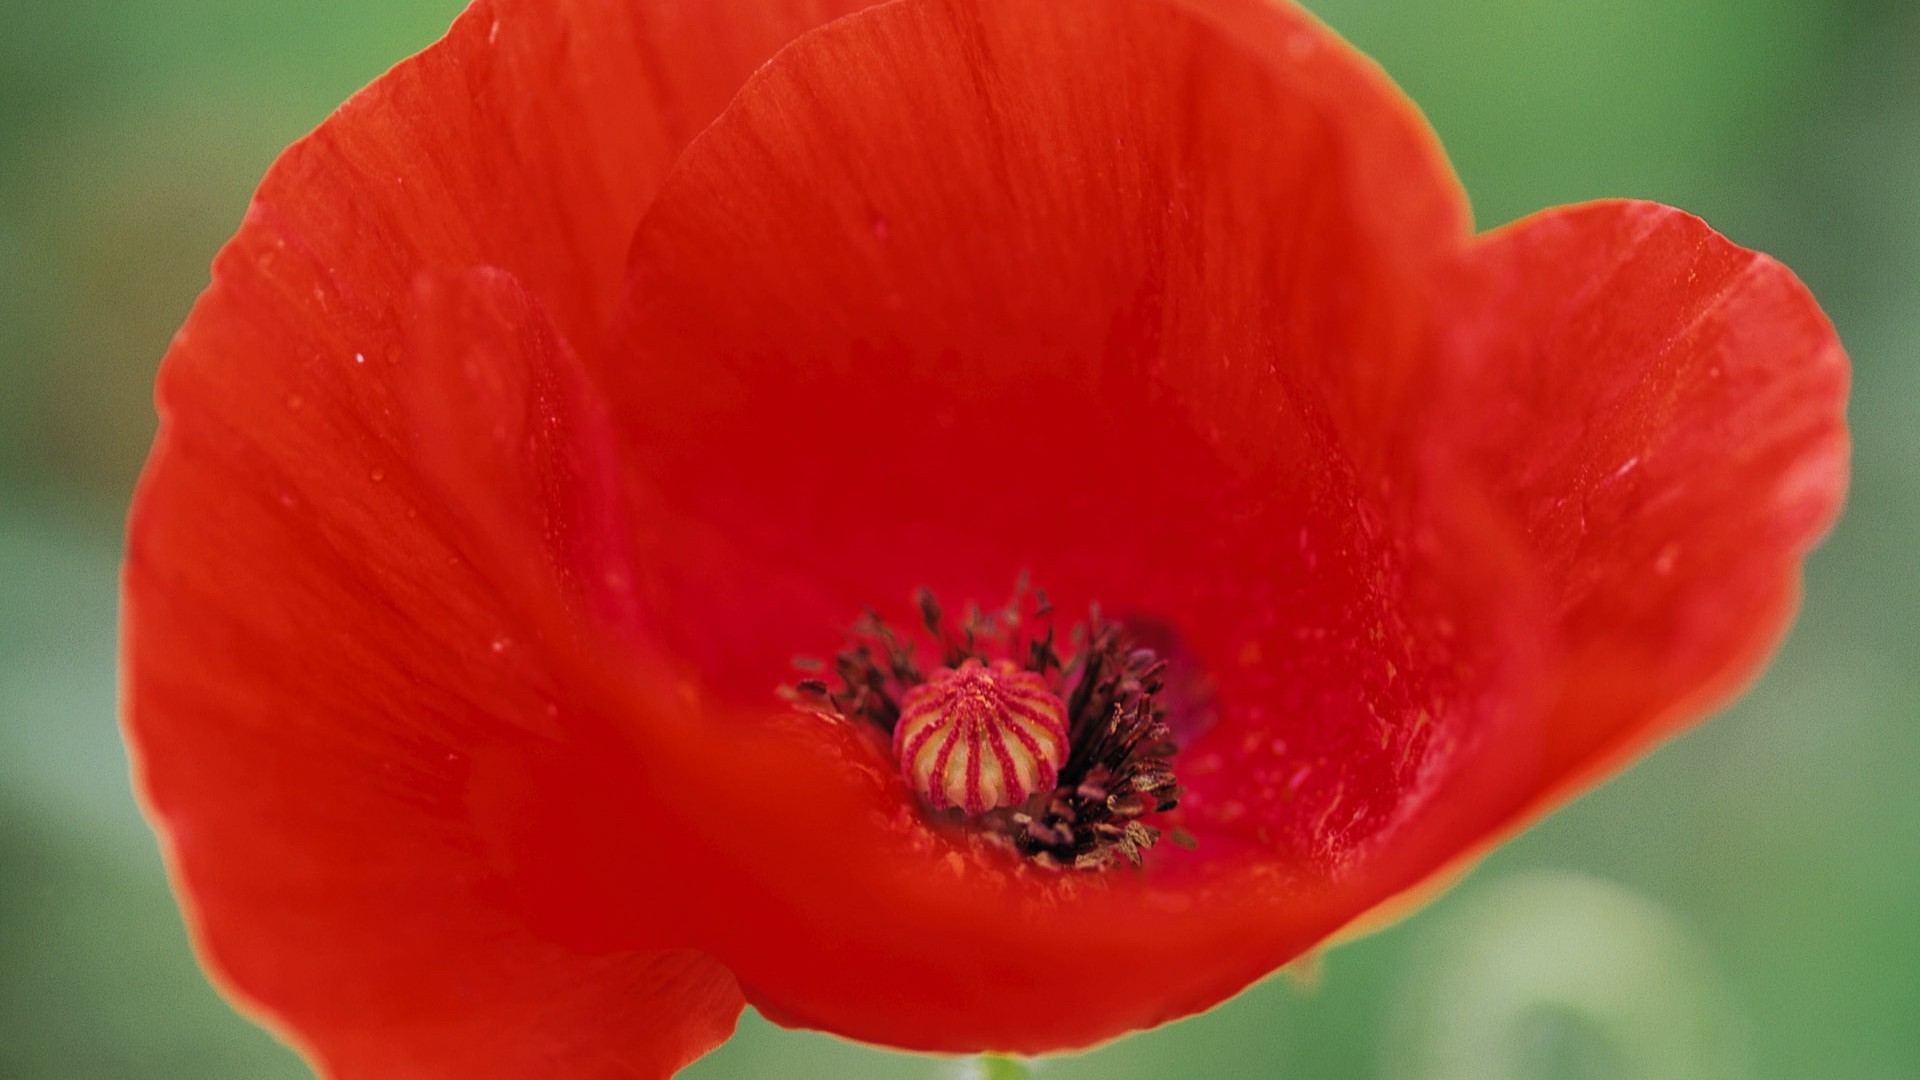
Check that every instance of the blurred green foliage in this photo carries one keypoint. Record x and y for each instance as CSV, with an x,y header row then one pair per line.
x,y
1760,874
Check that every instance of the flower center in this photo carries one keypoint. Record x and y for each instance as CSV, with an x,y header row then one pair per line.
x,y
981,737
1055,757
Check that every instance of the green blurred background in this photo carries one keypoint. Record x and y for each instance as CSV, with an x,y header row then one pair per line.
x,y
1746,902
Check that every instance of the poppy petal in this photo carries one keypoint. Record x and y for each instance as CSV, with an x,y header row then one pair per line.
x,y
531,138
329,713
1097,290
326,648
1102,291
1663,413
502,406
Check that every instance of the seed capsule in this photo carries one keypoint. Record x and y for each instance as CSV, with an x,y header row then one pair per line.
x,y
980,737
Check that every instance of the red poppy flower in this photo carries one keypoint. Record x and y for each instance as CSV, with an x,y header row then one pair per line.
x,y
587,368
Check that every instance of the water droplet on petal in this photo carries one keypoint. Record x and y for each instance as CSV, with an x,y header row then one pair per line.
x,y
1664,562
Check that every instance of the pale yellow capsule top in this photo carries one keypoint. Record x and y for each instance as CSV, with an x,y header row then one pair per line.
x,y
979,737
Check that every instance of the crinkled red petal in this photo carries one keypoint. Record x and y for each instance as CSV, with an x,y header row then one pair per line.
x,y
532,139
337,695
1100,291
379,474
1662,413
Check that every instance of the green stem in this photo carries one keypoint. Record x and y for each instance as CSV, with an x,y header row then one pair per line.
x,y
996,1067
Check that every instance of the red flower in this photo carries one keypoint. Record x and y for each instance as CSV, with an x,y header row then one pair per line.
x,y
575,377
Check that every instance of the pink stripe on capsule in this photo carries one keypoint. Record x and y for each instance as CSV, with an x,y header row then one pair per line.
x,y
979,737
